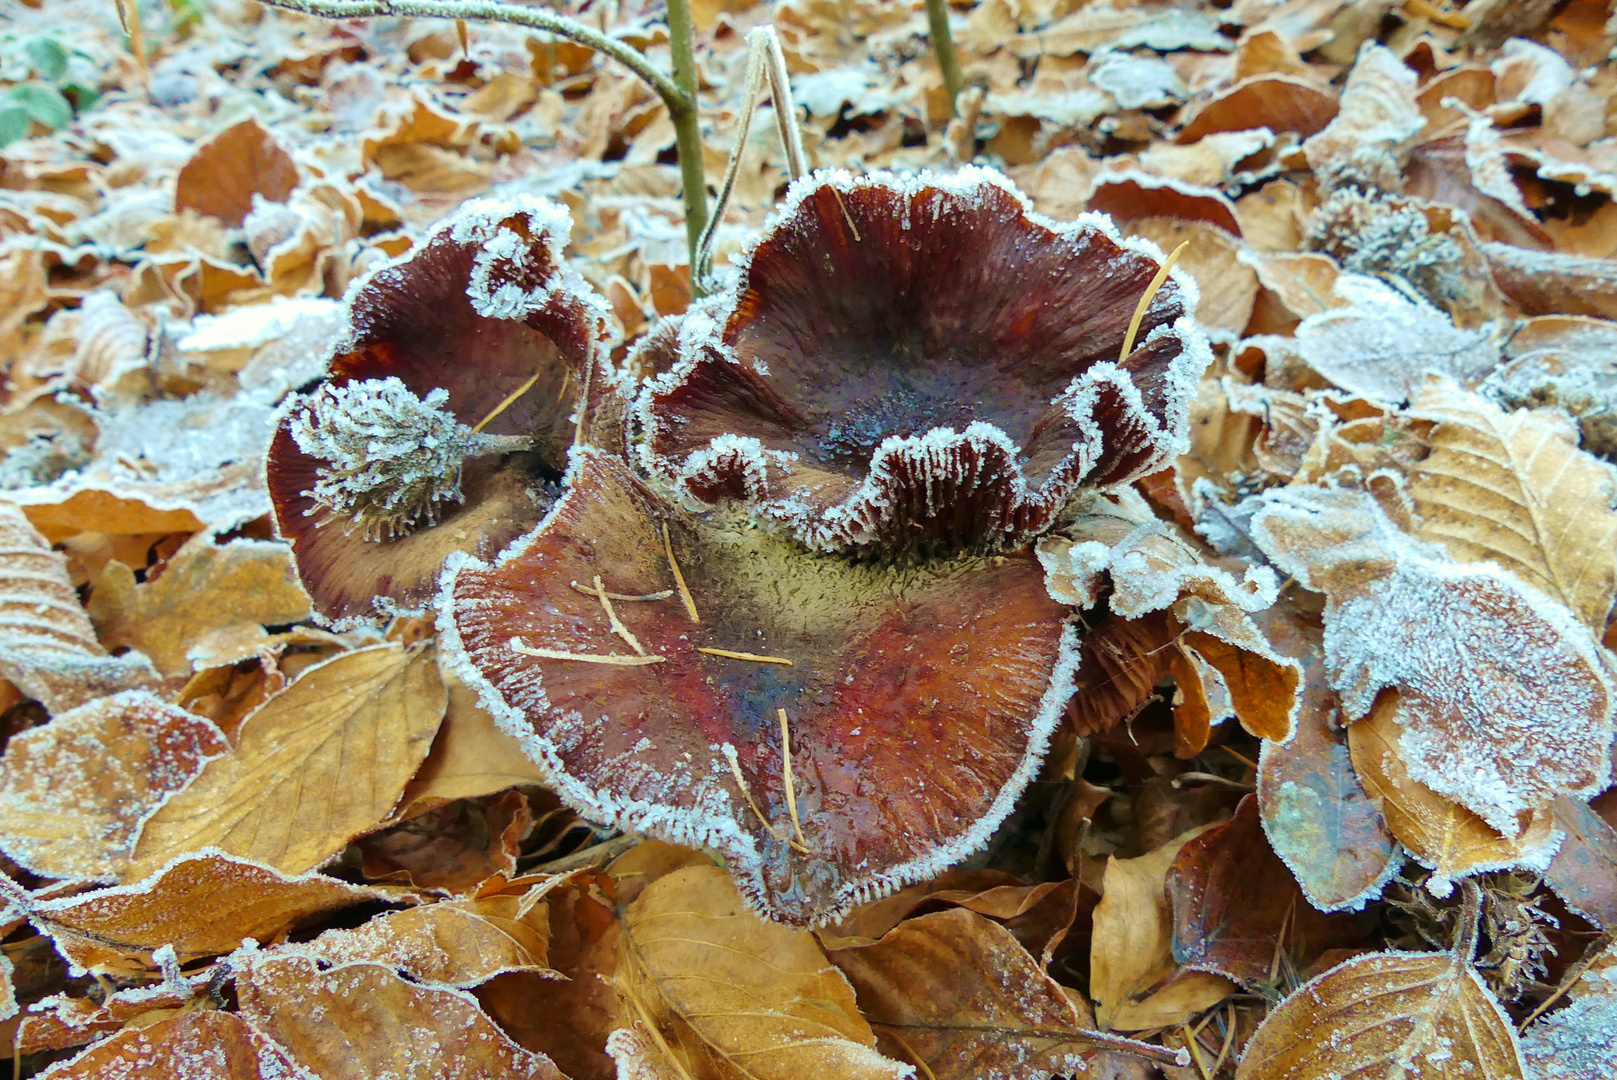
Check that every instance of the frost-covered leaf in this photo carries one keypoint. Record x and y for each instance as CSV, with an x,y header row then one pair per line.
x,y
1563,361
1575,1042
1235,905
914,362
1555,282
48,646
73,791
319,763
636,727
722,985
201,905
1382,343
1423,1015
204,587
362,1021
454,942
1133,978
227,171
1584,870
1279,102
1506,698
955,990
1453,840
1378,113
470,757
200,1045
1152,568
1315,812
1514,488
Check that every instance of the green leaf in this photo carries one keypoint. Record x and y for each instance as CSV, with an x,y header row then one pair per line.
x,y
13,123
44,104
47,56
83,97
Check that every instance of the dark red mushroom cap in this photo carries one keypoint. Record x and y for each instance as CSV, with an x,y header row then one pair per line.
x,y
915,361
918,703
483,307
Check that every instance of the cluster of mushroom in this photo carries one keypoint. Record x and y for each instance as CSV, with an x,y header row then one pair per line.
x,y
767,586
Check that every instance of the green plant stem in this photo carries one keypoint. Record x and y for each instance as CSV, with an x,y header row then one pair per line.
x,y
516,15
687,128
937,18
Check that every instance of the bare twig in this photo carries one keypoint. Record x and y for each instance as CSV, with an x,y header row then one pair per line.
x,y
937,21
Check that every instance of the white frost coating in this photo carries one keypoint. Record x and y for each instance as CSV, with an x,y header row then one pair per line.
x,y
1507,698
1137,82
1578,1042
1378,111
1485,157
477,224
1382,344
1535,72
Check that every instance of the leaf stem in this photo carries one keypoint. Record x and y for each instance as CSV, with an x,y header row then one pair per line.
x,y
687,128
937,18
500,11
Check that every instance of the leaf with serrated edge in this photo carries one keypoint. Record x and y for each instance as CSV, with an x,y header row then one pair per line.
x,y
1514,488
1438,832
73,791
1423,1015
321,762
956,990
201,1045
203,904
362,1021
720,986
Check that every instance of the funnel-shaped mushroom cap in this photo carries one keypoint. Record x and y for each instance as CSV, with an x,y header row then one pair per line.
x,y
377,474
908,362
918,701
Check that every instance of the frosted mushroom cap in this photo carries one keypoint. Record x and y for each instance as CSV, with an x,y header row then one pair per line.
x,y
480,307
918,703
912,362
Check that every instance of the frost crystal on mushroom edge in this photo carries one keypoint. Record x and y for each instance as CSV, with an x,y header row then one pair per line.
x,y
717,826
857,518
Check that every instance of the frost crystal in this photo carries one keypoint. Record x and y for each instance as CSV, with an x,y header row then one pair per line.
x,y
388,457
1371,234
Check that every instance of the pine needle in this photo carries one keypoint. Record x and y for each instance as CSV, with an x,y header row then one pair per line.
x,y
754,657
679,578
1145,301
585,658
791,795
623,597
506,404
741,782
612,617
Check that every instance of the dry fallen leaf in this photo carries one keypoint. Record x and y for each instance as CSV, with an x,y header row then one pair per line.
x,y
715,984
956,991
227,171
316,765
47,645
453,943
1515,488
1423,1015
361,1021
73,791
201,1045
203,588
200,905
1133,979
470,756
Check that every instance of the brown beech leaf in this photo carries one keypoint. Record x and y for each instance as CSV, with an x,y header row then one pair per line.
x,y
1133,979
956,991
1584,870
1438,832
200,1045
1575,1042
1378,113
1277,102
1514,488
362,1021
866,924
454,943
1318,817
1236,908
1423,1015
470,757
722,986
203,588
73,791
316,765
1507,699
202,905
48,647
228,170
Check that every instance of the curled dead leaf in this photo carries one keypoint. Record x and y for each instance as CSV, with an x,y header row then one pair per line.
x,y
228,170
200,1045
316,765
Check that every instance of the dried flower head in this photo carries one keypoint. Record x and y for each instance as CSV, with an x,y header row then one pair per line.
x,y
1386,237
388,457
